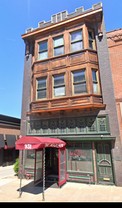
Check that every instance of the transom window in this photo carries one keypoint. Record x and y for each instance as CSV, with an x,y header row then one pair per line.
x,y
76,41
41,88
59,85
95,81
58,43
43,50
79,82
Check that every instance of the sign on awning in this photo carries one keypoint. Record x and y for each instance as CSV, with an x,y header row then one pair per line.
x,y
30,142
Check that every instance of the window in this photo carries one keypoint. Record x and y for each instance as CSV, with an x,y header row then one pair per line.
x,y
79,82
43,50
76,41
94,80
79,157
41,88
59,85
91,39
58,44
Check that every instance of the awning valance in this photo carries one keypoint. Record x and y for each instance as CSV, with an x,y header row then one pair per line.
x,y
30,142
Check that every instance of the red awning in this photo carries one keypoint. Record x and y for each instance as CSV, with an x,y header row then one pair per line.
x,y
30,142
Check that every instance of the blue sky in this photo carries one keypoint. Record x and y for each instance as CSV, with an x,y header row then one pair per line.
x,y
18,15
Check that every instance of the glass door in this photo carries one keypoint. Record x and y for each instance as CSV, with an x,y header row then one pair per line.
x,y
61,166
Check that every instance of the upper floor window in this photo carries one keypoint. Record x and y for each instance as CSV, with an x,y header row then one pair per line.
x,y
59,85
91,39
41,88
79,82
95,81
43,50
76,40
58,43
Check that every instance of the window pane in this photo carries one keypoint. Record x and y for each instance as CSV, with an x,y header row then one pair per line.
x,y
94,77
76,36
41,94
58,41
58,51
41,83
90,35
90,44
43,55
76,46
80,159
60,91
43,46
58,80
95,87
80,88
79,76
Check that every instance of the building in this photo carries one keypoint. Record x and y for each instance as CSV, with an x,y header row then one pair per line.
x,y
9,133
68,94
114,39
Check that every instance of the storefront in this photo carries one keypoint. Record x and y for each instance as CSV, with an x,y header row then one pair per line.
x,y
8,154
90,162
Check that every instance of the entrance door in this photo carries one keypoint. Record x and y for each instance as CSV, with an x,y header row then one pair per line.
x,y
55,165
104,163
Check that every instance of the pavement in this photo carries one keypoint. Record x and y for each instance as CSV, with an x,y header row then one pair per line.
x,y
70,192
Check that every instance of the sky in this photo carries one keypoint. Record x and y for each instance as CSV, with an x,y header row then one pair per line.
x,y
18,15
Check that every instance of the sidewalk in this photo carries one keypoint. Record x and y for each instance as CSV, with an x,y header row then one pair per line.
x,y
70,192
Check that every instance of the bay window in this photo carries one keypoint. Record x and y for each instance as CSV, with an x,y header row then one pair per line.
x,y
43,50
59,85
58,43
79,82
76,40
41,88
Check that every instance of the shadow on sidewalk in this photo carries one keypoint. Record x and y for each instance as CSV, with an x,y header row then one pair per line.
x,y
36,189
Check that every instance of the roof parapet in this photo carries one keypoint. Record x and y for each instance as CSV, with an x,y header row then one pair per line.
x,y
55,18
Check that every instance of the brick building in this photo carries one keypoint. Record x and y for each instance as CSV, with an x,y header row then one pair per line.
x,y
68,94
114,39
9,133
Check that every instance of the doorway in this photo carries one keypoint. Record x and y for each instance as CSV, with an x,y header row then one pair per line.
x,y
104,163
51,165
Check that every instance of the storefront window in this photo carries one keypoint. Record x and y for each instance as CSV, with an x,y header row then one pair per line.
x,y
79,157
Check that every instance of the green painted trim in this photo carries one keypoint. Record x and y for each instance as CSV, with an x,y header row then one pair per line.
x,y
82,177
87,138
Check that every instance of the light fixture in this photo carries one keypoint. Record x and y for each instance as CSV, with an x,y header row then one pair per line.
x,y
100,34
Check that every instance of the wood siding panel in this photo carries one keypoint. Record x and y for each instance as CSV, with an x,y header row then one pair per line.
x,y
97,99
80,100
40,105
93,57
58,63
77,59
41,67
59,103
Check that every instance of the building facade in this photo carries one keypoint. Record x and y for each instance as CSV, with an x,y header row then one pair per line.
x,y
114,39
68,94
9,133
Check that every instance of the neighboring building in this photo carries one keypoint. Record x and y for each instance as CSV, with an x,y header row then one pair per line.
x,y
9,133
114,39
68,93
